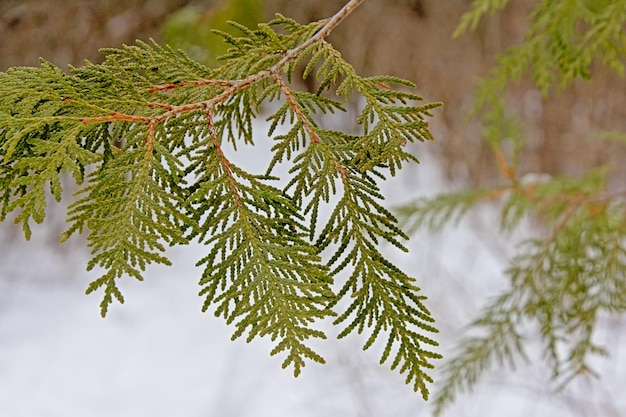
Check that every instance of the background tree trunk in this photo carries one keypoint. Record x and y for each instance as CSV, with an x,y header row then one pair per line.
x,y
70,31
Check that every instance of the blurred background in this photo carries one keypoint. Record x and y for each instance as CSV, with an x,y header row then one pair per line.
x,y
159,356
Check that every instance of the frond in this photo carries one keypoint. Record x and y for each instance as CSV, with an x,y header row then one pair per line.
x,y
382,298
259,272
142,135
130,212
561,286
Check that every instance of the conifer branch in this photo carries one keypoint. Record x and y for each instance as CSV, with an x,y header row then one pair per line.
x,y
149,125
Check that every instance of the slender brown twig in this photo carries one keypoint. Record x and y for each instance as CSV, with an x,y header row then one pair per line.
x,y
296,109
232,87
223,159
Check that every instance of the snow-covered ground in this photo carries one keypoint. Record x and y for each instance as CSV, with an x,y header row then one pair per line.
x,y
158,355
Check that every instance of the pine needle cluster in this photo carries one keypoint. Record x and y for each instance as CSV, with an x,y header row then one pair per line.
x,y
142,136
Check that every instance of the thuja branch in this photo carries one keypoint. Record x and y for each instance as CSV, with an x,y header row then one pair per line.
x,y
232,87
223,159
149,124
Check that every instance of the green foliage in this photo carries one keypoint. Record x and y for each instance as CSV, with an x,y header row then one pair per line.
x,y
142,135
565,279
561,285
566,37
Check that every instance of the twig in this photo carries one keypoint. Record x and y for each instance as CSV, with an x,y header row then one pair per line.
x,y
331,24
296,109
235,86
223,159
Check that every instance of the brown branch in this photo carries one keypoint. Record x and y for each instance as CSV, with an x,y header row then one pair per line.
x,y
150,138
211,103
224,160
290,55
232,87
330,24
198,83
503,165
296,109
571,209
343,171
165,106
116,117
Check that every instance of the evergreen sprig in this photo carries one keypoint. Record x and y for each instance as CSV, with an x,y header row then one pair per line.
x,y
142,135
